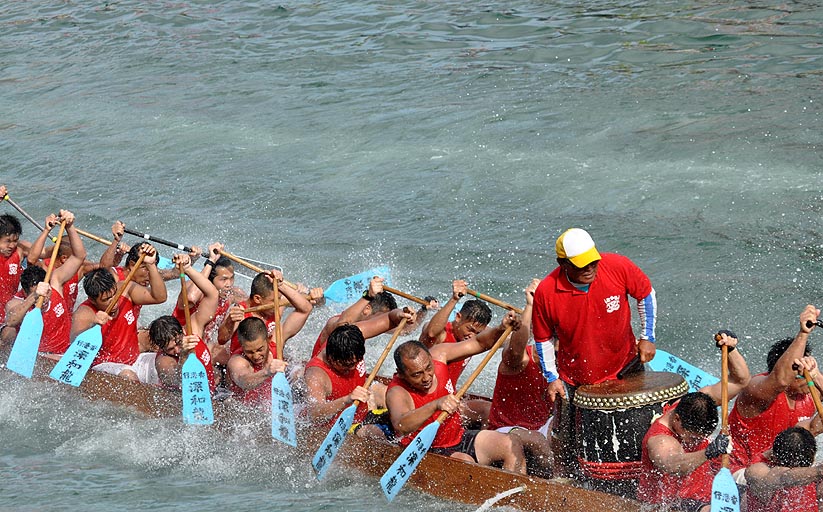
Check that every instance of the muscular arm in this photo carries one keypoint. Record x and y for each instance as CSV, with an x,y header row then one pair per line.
x,y
319,408
404,417
244,375
667,455
297,318
764,481
72,265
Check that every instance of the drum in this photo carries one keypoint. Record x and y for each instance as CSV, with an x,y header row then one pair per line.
x,y
612,418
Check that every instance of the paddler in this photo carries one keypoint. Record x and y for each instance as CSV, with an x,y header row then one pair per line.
x,y
251,370
12,252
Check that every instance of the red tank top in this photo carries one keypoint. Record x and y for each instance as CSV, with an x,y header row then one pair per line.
x,y
342,385
121,276
753,436
10,271
259,395
521,400
451,431
180,314
455,367
235,347
656,486
56,323
120,343
70,289
201,352
320,343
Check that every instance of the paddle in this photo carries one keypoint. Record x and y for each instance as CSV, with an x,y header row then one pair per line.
x,y
162,262
334,439
282,412
75,363
398,474
24,351
151,238
496,302
406,295
725,497
197,406
815,393
696,377
26,215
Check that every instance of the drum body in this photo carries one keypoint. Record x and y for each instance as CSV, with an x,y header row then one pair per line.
x,y
612,418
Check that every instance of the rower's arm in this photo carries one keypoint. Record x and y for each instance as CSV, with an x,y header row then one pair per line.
x,y
739,376
434,332
384,322
244,375
39,244
168,370
764,481
297,318
318,384
667,455
208,304
16,309
404,417
156,293
73,263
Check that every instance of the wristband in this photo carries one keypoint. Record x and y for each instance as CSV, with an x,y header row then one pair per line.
x,y
208,262
366,295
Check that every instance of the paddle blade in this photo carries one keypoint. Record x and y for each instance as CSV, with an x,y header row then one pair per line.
x,y
334,440
24,351
282,410
725,497
396,476
164,263
197,407
349,289
75,363
697,378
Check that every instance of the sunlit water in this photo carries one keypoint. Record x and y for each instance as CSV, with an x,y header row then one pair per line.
x,y
444,139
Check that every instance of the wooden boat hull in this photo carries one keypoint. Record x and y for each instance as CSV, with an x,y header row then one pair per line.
x,y
437,475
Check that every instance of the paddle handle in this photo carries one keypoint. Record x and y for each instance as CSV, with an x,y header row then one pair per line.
x,y
185,293
126,282
162,241
93,237
815,393
278,324
40,300
724,397
476,372
496,302
25,214
405,295
252,266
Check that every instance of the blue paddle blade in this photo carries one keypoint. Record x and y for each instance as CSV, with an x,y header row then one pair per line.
x,y
725,497
24,351
396,476
282,410
75,363
349,289
164,263
197,407
697,378
334,440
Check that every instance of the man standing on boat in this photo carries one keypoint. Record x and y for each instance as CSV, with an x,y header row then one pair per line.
x,y
582,313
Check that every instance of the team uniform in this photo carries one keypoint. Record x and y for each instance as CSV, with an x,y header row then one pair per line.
x,y
455,367
10,270
521,400
201,352
56,323
259,395
593,328
235,347
343,385
320,343
753,436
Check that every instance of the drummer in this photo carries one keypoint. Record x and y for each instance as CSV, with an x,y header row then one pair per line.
x,y
679,462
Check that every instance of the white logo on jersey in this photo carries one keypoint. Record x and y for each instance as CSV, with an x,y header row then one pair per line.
x,y
612,303
129,316
73,288
449,386
13,269
59,310
206,357
361,368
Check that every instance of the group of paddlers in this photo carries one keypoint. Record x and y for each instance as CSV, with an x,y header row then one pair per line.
x,y
574,332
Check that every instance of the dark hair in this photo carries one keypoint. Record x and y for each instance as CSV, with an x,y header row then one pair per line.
x,y
408,349
346,344
476,311
261,285
794,447
97,282
134,253
9,225
164,329
250,329
698,413
383,302
222,261
777,350
30,277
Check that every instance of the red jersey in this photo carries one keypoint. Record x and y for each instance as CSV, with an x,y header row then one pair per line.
x,y
451,431
121,276
342,385
70,288
235,347
56,323
593,329
120,343
201,352
787,499
320,343
10,271
753,436
262,393
656,486
455,367
521,400
179,312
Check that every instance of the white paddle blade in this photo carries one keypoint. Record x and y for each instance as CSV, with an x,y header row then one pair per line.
x,y
197,406
282,410
725,497
75,363
24,351
398,474
334,440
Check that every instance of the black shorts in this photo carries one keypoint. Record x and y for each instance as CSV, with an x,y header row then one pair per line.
x,y
466,445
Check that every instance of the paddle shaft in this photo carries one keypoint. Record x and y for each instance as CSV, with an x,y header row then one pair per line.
x,y
412,298
252,266
126,282
162,241
496,302
39,303
26,215
724,397
815,393
278,324
476,372
185,293
383,356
